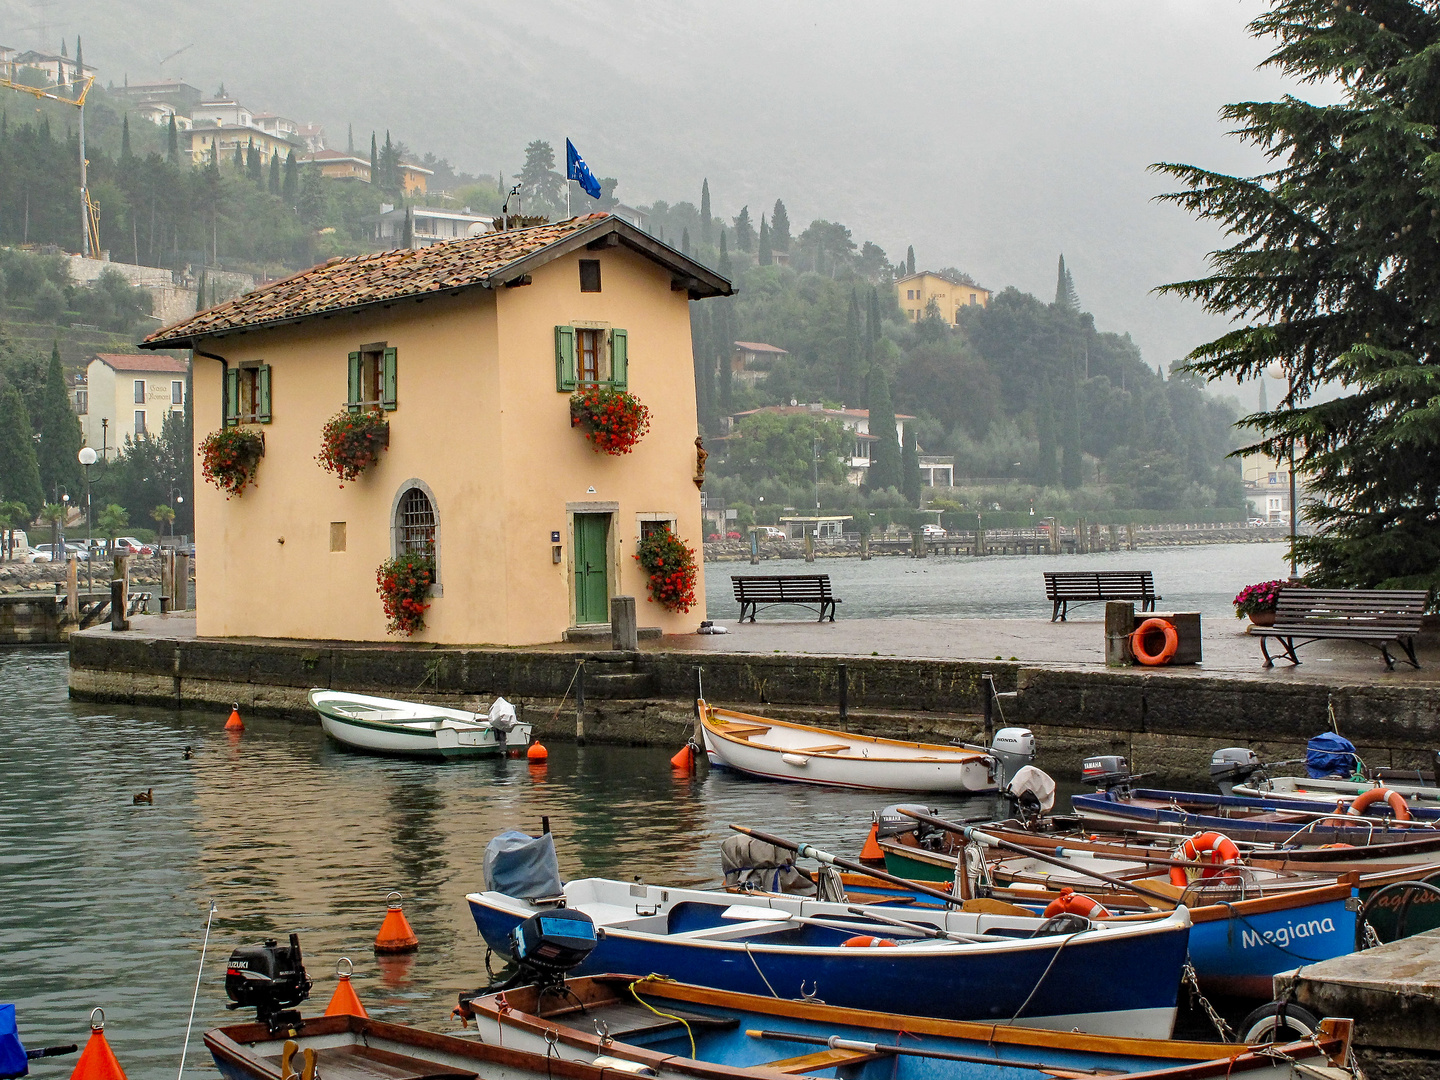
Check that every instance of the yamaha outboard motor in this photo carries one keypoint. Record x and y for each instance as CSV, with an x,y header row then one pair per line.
x,y
1106,771
891,822
1013,748
1233,765
270,979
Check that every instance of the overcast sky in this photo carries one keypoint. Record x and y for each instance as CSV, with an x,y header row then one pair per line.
x,y
992,137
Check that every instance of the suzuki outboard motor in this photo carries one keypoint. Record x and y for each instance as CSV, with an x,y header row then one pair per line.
x,y
270,979
1233,765
1013,748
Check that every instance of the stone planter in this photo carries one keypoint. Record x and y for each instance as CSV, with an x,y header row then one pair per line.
x,y
1262,618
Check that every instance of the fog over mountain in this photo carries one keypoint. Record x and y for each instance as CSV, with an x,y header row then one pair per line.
x,y
991,137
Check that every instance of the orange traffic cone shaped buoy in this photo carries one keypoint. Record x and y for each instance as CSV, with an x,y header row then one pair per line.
x,y
97,1060
235,723
871,851
345,1002
685,759
537,752
395,935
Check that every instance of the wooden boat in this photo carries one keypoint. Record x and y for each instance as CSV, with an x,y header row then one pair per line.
x,y
988,967
779,750
387,726
1327,792
611,1015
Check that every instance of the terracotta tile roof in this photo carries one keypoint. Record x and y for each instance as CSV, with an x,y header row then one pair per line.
x,y
384,276
760,346
142,362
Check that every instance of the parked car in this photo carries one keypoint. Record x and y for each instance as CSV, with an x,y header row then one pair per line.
x,y
71,551
1258,522
770,532
128,545
934,532
30,555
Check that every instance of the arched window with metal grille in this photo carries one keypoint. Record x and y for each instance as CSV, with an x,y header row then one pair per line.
x,y
415,523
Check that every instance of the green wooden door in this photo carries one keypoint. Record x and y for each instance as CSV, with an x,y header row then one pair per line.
x,y
592,552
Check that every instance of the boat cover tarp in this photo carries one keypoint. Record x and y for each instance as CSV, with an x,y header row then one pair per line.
x,y
1329,754
751,862
13,1061
523,866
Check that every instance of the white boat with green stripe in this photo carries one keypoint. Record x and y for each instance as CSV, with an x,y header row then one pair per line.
x,y
412,729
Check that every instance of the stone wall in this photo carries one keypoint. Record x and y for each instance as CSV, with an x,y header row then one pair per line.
x,y
29,620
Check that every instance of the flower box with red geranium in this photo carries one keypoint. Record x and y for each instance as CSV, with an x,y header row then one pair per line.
x,y
614,420
350,443
404,586
1258,602
671,566
230,457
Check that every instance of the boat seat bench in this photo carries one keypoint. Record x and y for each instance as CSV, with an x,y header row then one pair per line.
x,y
805,590
821,1060
1378,617
1066,587
828,748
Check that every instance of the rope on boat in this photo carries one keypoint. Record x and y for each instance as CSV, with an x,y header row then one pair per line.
x,y
669,1016
758,971
200,972
1043,975
565,696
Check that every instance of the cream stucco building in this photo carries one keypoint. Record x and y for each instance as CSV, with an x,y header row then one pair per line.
x,y
915,292
128,394
471,349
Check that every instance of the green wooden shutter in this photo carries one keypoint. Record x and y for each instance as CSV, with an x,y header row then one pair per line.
x,y
388,399
262,393
232,397
619,359
564,358
353,399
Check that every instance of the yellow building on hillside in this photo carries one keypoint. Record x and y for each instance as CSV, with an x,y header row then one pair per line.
x,y
471,350
126,395
915,292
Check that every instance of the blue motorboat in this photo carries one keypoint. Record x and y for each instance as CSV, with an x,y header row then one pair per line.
x,y
947,964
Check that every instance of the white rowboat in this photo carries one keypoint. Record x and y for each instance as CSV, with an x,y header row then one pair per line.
x,y
778,750
1327,791
406,728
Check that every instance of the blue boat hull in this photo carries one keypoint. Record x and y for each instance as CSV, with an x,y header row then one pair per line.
x,y
1241,955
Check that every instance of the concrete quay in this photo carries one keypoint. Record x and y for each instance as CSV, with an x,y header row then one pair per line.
x,y
903,678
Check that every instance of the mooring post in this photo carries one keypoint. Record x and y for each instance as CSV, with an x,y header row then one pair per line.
x,y
754,547
167,581
1119,624
1114,537
987,710
118,621
182,583
864,547
809,545
699,735
1130,535
843,675
624,624
580,705
72,589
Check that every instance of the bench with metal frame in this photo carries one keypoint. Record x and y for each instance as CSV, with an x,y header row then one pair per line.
x,y
1378,617
806,590
1066,587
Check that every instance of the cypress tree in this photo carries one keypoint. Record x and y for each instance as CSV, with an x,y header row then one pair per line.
x,y
275,173
239,157
350,139
407,236
125,154
762,248
850,381
910,260
744,230
884,471
374,163
910,469
779,228
59,428
1065,295
291,187
253,168
705,211
172,142
1048,466
872,329
19,473
724,316
79,61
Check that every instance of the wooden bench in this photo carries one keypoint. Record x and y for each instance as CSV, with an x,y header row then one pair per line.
x,y
807,590
1066,587
1378,617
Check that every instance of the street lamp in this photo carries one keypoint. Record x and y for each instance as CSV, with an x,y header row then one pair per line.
x,y
87,457
1276,371
175,497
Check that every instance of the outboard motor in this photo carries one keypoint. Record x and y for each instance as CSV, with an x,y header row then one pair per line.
x,y
1233,765
891,822
270,979
502,719
1032,793
1106,771
1013,748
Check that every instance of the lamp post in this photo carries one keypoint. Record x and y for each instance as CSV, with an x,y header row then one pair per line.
x,y
87,457
175,497
1276,371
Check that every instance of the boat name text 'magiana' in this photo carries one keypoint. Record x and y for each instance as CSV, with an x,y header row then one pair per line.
x,y
1283,935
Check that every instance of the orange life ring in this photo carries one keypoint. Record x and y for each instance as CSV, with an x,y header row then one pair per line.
x,y
1070,902
864,942
1381,794
1221,850
1155,626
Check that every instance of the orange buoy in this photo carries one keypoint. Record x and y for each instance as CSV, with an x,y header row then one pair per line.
x,y
871,851
395,935
1214,848
1393,798
97,1060
537,752
345,1002
863,941
1139,639
1070,902
235,723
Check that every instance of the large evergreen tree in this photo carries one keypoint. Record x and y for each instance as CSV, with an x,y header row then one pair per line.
x,y
290,188
744,231
375,180
19,473
274,184
172,142
910,260
1065,294
763,255
125,152
1047,469
779,228
910,468
884,471
705,210
59,429
1335,278
850,381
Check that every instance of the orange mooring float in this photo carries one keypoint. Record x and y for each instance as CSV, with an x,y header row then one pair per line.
x,y
235,723
395,935
872,851
537,752
345,1002
97,1060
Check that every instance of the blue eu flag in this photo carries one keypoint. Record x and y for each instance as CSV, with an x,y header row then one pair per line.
x,y
577,170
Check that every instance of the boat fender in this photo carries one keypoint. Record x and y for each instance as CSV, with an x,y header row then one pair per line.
x,y
1220,849
1069,902
798,760
635,1068
1167,651
862,941
1381,794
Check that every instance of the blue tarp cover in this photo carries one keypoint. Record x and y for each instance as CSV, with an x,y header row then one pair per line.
x,y
12,1055
1329,755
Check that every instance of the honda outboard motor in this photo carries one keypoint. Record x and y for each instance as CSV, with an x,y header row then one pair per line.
x,y
1233,765
270,979
1013,748
1105,771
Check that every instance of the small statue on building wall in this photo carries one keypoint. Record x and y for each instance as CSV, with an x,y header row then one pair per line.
x,y
700,455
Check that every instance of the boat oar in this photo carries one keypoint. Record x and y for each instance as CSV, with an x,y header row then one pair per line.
x,y
808,851
969,832
835,1042
921,928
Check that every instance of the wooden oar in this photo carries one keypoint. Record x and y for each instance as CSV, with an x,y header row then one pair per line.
x,y
835,1042
972,833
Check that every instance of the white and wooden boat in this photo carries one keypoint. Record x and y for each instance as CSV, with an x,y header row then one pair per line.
x,y
409,729
778,750
1328,791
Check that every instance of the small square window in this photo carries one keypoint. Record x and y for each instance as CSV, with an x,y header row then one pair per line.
x,y
589,275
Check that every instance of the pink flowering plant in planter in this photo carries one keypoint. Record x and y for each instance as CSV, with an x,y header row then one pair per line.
x,y
1259,599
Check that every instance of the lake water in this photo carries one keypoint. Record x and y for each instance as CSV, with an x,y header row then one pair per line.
x,y
1203,578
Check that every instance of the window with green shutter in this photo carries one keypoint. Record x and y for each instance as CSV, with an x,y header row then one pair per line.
x,y
232,397
388,397
262,394
586,356
372,381
564,358
247,395
353,398
619,359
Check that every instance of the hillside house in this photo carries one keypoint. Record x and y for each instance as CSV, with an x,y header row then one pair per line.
x,y
180,96
338,165
915,292
471,351
431,225
856,421
750,361
128,394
